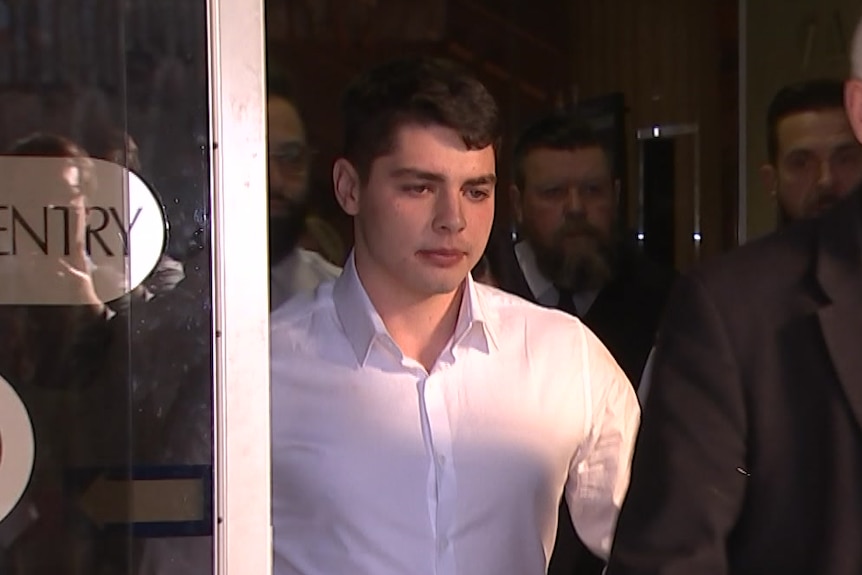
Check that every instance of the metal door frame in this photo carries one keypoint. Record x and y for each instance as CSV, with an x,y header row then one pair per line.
x,y
243,533
659,131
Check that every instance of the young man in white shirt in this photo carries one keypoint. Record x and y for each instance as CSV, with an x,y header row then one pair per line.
x,y
423,423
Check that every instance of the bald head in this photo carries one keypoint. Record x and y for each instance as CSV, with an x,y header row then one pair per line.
x,y
853,88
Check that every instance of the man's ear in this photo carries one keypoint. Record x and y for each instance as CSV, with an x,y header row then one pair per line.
x,y
515,201
347,184
769,179
853,104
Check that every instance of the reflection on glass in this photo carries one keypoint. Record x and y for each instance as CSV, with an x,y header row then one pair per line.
x,y
105,315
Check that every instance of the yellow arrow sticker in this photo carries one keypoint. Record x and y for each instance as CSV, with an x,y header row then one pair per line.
x,y
143,500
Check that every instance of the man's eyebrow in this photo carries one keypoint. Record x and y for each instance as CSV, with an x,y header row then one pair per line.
x,y
418,174
487,179
847,146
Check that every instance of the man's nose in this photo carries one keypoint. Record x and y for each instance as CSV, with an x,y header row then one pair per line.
x,y
574,202
276,180
449,214
825,178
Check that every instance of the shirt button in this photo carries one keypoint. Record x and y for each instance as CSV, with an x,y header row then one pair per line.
x,y
441,459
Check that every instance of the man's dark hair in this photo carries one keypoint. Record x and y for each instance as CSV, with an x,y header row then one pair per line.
x,y
419,90
555,132
808,96
280,80
105,142
46,145
280,84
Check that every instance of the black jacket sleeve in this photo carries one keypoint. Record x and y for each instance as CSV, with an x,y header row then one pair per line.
x,y
689,470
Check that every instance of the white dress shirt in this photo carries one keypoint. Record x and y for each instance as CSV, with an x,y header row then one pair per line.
x,y
381,468
541,287
301,270
547,295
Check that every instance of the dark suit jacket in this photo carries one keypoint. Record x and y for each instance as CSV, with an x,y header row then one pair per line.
x,y
749,458
625,314
625,317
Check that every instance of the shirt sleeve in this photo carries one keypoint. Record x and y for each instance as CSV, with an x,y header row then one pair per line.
x,y
599,475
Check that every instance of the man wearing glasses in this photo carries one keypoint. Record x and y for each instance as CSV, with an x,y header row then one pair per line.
x,y
292,269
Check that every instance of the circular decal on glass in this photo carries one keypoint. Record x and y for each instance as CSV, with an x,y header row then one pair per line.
x,y
62,222
17,448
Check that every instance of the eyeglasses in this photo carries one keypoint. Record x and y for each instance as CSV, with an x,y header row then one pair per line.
x,y
292,156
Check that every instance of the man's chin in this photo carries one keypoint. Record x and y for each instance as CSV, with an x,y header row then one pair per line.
x,y
580,271
579,247
283,207
435,281
279,211
822,208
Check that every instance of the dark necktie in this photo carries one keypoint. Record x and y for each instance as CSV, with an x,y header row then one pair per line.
x,y
566,302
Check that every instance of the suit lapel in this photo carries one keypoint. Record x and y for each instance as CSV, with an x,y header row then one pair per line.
x,y
839,271
512,277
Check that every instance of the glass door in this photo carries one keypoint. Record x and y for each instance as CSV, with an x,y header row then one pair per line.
x,y
134,396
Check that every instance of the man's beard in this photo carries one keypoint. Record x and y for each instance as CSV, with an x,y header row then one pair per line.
x,y
285,231
815,205
783,216
586,267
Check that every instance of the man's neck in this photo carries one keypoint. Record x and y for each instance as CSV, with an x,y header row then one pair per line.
x,y
422,330
420,326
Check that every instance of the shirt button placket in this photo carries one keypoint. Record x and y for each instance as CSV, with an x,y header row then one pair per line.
x,y
441,444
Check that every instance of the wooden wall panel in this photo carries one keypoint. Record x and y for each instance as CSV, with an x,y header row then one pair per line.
x,y
787,41
519,50
665,56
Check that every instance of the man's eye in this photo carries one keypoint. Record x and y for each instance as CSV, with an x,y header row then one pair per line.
x,y
416,188
798,161
593,190
478,194
848,156
294,152
554,192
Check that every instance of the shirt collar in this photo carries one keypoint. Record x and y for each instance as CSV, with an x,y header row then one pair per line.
x,y
541,287
537,282
477,312
363,325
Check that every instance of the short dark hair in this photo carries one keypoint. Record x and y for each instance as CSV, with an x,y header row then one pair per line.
x,y
555,132
280,84
808,96
42,144
48,145
280,81
103,142
417,90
